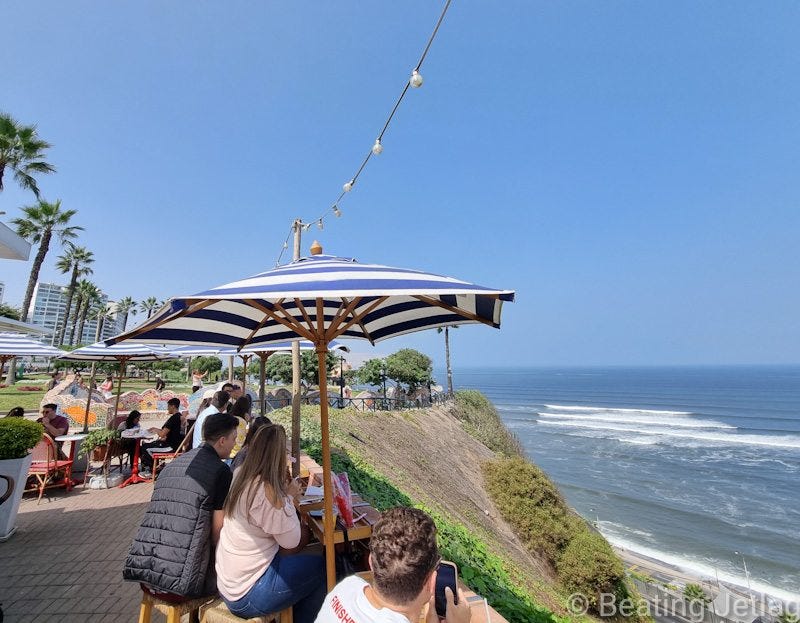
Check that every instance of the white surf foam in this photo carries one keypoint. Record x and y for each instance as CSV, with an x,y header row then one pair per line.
x,y
701,569
776,441
614,410
676,422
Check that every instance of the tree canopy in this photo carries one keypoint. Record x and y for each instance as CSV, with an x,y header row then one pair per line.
x,y
206,364
279,367
410,367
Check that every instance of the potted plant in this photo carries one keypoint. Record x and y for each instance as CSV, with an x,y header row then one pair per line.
x,y
97,442
17,437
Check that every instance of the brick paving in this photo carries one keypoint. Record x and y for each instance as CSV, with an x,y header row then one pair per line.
x,y
65,561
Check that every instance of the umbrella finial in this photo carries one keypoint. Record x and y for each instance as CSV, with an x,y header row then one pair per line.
x,y
316,248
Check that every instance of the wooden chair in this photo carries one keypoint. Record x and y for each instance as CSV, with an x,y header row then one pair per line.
x,y
164,457
46,466
173,609
217,612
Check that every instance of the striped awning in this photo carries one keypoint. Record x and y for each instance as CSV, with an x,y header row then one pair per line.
x,y
199,351
353,300
128,351
19,345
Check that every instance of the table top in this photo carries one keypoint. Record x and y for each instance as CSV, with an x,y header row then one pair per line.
x,y
138,433
366,515
71,437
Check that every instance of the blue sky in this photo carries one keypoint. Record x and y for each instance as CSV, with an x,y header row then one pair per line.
x,y
630,169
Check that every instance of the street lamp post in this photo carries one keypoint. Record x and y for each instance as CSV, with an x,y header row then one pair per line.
x,y
341,381
746,575
383,380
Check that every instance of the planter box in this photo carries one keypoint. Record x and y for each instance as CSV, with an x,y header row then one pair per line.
x,y
13,475
99,453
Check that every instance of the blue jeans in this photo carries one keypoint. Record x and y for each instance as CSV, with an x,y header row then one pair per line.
x,y
297,580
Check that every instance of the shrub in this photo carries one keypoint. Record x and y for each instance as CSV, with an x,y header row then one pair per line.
x,y
532,504
28,388
589,566
482,422
695,593
18,436
96,438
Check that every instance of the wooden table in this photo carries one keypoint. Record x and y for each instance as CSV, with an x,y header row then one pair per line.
x,y
361,530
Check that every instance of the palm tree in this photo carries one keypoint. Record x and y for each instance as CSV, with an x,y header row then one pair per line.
x,y
22,151
77,260
149,305
90,295
125,307
447,358
100,312
41,221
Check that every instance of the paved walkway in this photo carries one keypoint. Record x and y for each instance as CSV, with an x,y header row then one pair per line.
x,y
65,561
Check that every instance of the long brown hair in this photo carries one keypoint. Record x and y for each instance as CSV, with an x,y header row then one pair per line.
x,y
264,466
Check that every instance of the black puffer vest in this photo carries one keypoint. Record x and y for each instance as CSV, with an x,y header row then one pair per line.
x,y
172,550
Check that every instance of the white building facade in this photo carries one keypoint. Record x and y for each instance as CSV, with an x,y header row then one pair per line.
x,y
47,310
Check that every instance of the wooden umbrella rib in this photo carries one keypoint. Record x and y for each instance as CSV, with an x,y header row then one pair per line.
x,y
358,319
293,326
455,310
345,309
254,331
303,311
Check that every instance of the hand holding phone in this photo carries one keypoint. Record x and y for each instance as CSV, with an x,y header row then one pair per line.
x,y
446,577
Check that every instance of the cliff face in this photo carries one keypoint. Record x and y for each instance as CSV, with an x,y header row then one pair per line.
x,y
429,454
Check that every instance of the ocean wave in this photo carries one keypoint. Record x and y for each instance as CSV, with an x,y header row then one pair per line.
x,y
724,438
677,422
702,568
615,410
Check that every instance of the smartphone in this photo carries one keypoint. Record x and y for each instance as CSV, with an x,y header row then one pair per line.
x,y
446,574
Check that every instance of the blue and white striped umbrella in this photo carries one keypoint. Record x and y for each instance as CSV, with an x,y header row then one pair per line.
x,y
127,351
19,345
321,298
366,301
200,351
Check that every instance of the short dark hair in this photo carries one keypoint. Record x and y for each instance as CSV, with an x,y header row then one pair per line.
x,y
16,412
220,399
218,425
224,385
174,402
404,553
50,405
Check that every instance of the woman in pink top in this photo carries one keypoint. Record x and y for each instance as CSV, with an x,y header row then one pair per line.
x,y
258,571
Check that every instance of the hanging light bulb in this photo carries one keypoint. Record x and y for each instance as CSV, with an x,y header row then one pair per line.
x,y
319,224
377,148
337,211
306,226
416,79
285,245
349,186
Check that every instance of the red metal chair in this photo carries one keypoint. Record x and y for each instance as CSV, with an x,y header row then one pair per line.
x,y
48,469
165,457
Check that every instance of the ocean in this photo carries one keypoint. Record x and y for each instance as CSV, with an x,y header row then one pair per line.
x,y
695,466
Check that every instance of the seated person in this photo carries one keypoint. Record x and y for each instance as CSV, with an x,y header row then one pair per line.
x,y
16,412
218,402
170,436
130,423
257,423
255,576
54,425
403,558
173,550
160,384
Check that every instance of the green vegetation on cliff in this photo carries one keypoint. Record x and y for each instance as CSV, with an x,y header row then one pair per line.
x,y
481,420
484,572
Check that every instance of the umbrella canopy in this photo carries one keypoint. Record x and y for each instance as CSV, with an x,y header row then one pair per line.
x,y
123,353
321,298
18,345
198,351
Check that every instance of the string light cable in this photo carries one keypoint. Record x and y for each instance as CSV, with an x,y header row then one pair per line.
x,y
415,81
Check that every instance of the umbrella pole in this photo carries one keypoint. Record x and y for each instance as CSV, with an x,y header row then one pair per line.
x,y
262,379
327,521
89,399
295,407
122,363
245,359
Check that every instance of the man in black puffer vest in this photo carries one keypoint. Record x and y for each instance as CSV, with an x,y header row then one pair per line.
x,y
173,551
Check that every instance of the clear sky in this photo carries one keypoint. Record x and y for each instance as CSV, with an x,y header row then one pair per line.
x,y
629,168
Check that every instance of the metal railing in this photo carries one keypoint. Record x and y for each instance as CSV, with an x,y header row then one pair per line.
x,y
375,403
